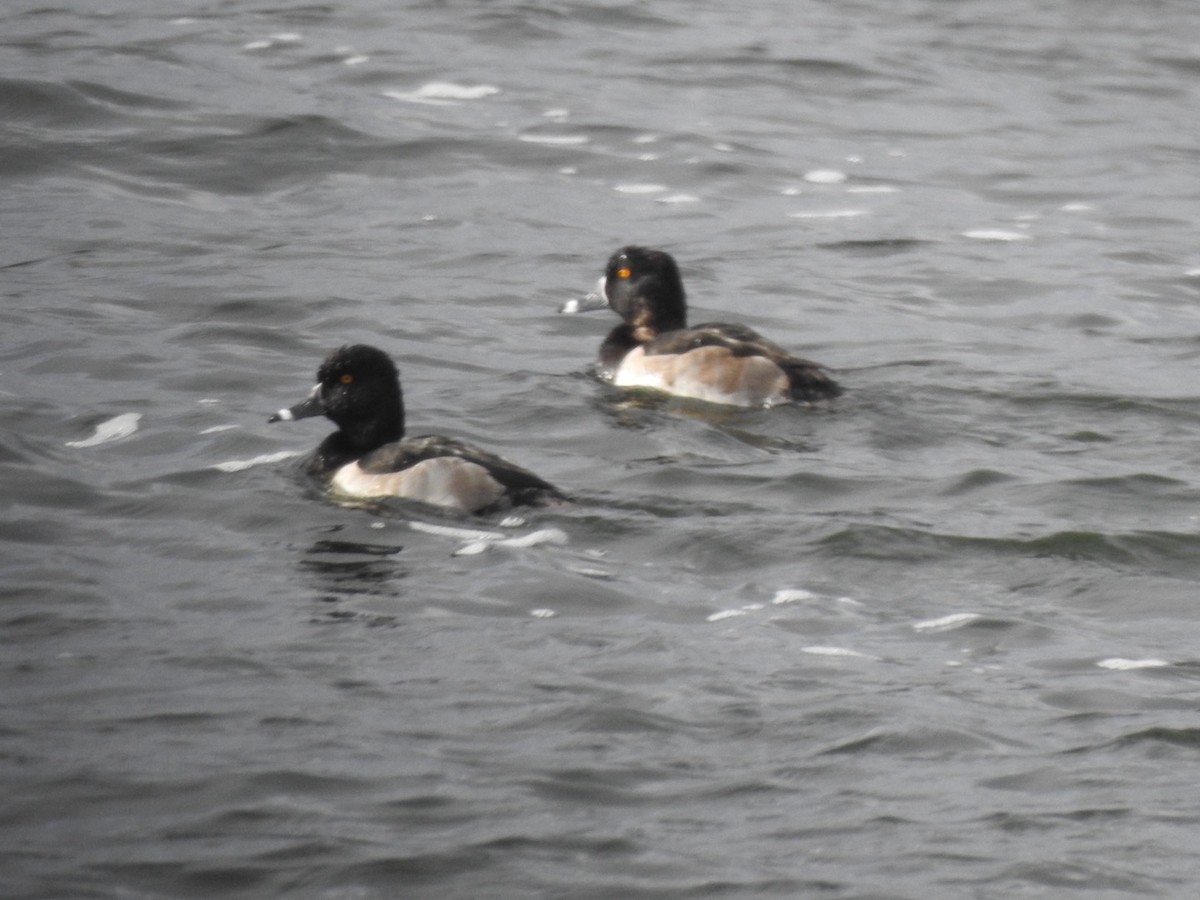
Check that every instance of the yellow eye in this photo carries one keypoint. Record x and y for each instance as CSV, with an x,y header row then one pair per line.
x,y
624,272
347,379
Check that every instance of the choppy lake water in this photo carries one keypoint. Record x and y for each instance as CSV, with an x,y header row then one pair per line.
x,y
938,640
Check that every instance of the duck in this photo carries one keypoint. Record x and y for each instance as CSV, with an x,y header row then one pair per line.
x,y
358,388
717,362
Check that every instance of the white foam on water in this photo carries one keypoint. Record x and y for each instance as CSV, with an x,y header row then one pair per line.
x,y
871,189
947,623
825,176
995,234
792,595
835,651
287,37
639,188
829,214
113,429
1120,664
444,93
462,534
730,613
781,597
724,614
218,428
591,572
542,613
554,140
678,198
240,465
536,538
480,541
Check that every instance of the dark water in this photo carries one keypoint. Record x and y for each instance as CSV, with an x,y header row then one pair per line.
x,y
939,641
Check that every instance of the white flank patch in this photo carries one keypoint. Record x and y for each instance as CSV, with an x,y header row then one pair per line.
x,y
240,465
1124,665
995,234
947,623
825,176
114,429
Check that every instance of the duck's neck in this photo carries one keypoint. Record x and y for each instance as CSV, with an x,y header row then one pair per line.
x,y
380,429
619,342
663,307
354,440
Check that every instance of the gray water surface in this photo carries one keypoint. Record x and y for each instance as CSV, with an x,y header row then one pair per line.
x,y
936,640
